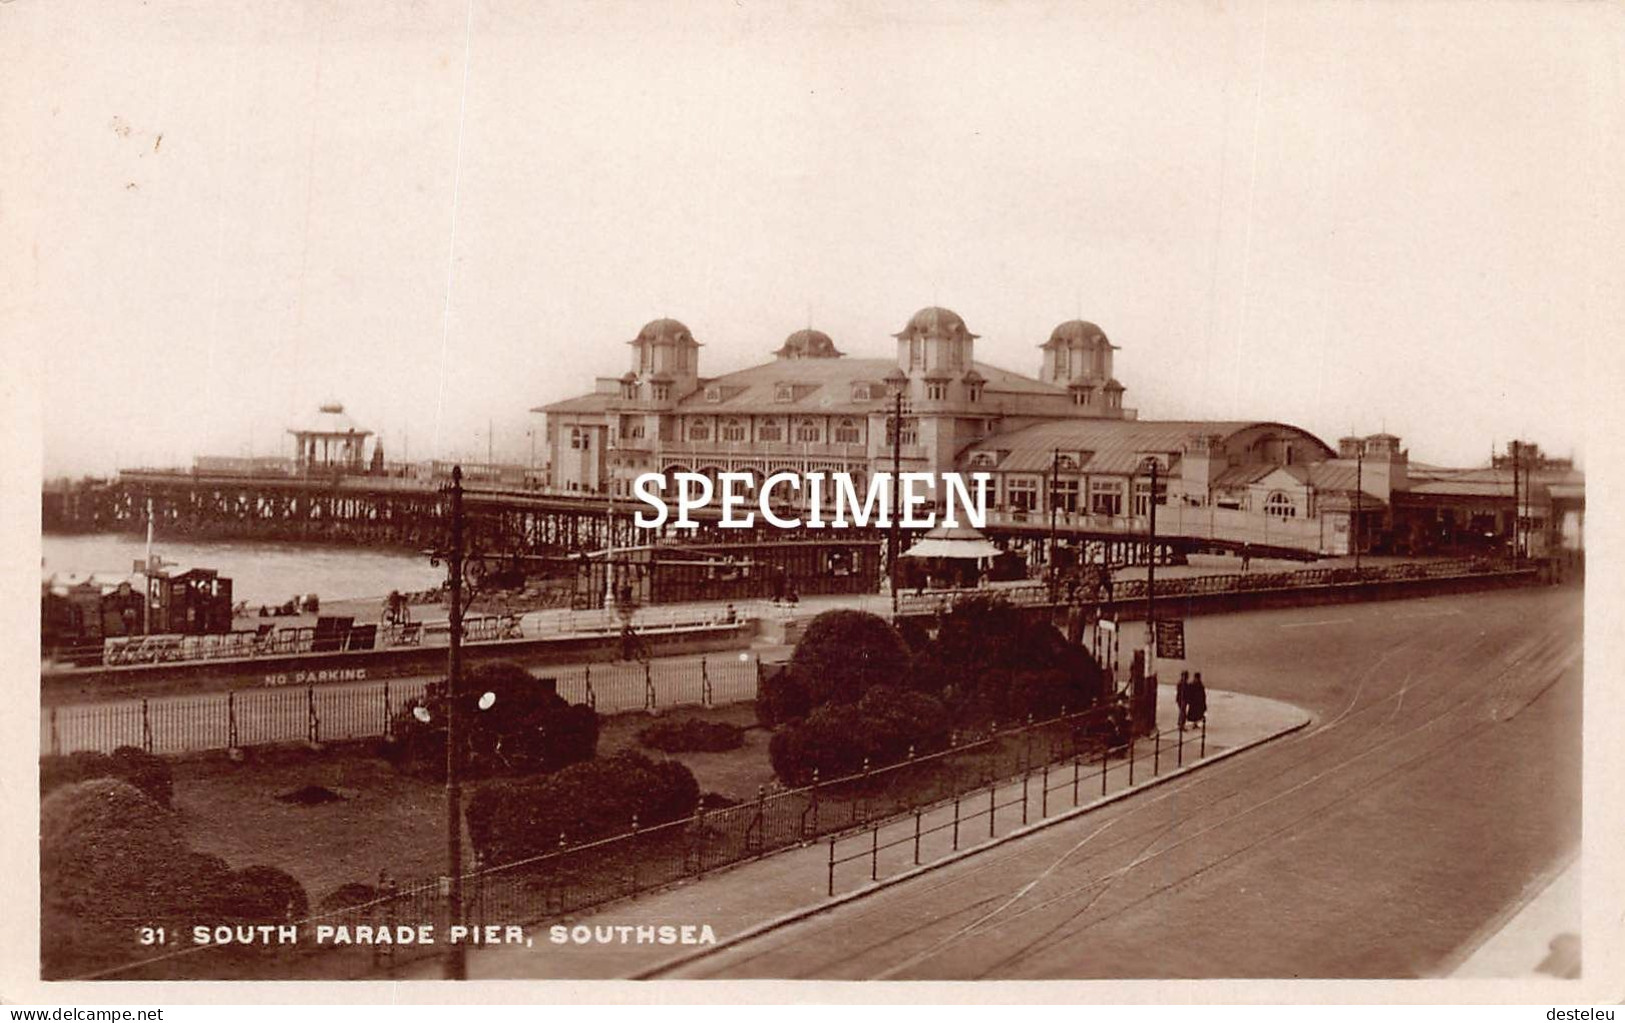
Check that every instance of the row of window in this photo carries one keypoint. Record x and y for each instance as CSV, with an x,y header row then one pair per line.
x,y
1085,396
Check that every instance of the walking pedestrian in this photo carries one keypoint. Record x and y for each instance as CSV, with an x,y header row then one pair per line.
x,y
1182,695
1196,700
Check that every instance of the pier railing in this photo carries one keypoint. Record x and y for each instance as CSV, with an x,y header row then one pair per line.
x,y
271,641
1128,589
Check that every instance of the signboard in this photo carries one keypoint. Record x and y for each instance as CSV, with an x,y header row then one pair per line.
x,y
1171,639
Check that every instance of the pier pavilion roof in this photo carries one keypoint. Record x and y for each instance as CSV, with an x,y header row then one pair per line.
x,y
330,421
1118,446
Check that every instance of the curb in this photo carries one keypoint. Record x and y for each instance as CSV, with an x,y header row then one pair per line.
x,y
795,916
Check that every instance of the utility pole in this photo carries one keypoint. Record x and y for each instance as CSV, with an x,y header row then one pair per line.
x,y
1359,488
456,959
609,521
1151,571
1054,470
146,605
896,472
1517,515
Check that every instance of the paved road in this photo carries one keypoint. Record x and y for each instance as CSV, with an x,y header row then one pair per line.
x,y
1439,781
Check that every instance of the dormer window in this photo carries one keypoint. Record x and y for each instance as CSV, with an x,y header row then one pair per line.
x,y
936,391
784,393
861,392
629,389
713,394
973,392
983,460
662,392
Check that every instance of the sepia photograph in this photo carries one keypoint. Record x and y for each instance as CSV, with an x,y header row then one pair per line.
x,y
1066,493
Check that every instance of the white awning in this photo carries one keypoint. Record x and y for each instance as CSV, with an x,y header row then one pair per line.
x,y
956,542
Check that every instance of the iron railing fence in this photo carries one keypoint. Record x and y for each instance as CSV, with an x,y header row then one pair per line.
x,y
359,711
1055,785
585,874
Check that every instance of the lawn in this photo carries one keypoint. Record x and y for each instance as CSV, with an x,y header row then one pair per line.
x,y
387,820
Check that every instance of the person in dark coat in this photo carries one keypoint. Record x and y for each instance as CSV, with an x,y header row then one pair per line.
x,y
1182,696
1196,700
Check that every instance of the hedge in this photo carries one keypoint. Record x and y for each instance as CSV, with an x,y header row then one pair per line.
x,y
526,730
514,819
880,729
112,861
844,652
691,735
151,774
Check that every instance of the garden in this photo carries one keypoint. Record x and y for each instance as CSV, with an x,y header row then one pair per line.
x,y
863,721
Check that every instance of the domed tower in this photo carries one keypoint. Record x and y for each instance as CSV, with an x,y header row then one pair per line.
x,y
936,342
808,344
665,361
1078,356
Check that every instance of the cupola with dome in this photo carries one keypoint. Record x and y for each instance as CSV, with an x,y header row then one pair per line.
x,y
808,344
935,340
665,362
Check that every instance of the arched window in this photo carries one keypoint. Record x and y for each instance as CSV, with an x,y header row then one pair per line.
x,y
769,430
846,432
807,431
732,430
1280,506
699,429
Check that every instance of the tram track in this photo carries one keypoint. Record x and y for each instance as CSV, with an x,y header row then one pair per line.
x,y
1353,753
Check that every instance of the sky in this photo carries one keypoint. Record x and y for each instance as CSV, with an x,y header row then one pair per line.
x,y
1373,216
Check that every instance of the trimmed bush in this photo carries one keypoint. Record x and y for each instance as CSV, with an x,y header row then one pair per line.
x,y
347,895
526,730
880,729
692,735
513,819
267,895
992,662
844,652
781,698
111,860
151,774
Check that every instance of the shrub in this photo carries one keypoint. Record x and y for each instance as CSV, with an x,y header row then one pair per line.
x,y
110,861
527,729
844,652
267,895
689,735
512,819
81,765
781,697
346,896
990,661
205,884
151,774
837,739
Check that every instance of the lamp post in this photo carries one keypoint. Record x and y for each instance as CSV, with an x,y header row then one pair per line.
x,y
1517,511
1054,470
1151,567
456,960
1359,489
896,472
